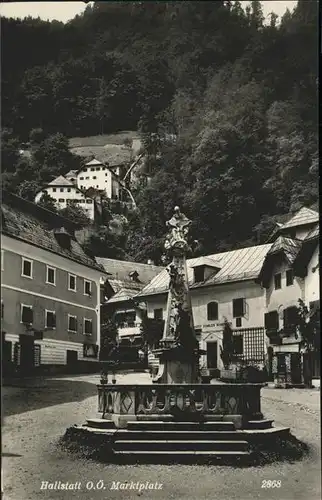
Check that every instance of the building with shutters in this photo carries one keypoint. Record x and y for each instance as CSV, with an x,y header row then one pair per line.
x,y
223,286
64,192
291,272
124,281
50,291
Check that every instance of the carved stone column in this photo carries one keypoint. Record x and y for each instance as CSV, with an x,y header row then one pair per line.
x,y
179,353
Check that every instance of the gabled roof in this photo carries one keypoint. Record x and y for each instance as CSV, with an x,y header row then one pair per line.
x,y
60,181
206,261
302,217
286,247
313,234
71,173
94,162
119,273
235,265
28,222
306,251
122,295
290,247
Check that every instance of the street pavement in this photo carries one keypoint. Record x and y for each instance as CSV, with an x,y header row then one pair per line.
x,y
36,416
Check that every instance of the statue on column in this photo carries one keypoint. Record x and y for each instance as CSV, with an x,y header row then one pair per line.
x,y
179,326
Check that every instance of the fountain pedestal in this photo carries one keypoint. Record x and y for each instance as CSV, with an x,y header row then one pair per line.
x,y
179,350
177,366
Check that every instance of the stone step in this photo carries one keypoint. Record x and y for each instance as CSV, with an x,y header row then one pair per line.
x,y
260,424
184,453
100,423
184,426
181,435
176,445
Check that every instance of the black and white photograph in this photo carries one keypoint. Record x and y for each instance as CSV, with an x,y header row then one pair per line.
x,y
160,295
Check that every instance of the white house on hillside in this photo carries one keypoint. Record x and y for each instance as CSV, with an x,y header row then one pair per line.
x,y
64,192
99,176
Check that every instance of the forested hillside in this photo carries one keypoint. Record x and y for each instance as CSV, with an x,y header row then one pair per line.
x,y
226,107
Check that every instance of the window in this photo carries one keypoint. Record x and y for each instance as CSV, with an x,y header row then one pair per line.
x,y
68,190
61,200
94,177
81,178
26,268
98,169
278,281
158,313
88,326
88,201
72,282
238,344
105,176
271,320
61,190
26,314
212,311
86,178
199,273
238,322
50,319
51,275
87,287
54,190
239,307
92,169
290,318
289,277
72,323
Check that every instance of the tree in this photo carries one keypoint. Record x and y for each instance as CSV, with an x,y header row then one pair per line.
x,y
47,202
76,214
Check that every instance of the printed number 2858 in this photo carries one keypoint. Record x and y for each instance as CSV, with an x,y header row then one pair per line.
x,y
267,483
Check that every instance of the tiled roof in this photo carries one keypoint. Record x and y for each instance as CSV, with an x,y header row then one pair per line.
x,y
314,233
60,181
122,295
303,216
35,225
71,173
235,265
119,273
289,246
94,162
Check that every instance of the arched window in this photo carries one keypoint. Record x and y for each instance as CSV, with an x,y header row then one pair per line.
x,y
212,310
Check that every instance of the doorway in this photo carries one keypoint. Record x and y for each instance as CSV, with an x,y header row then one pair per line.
x,y
71,358
212,355
296,368
26,354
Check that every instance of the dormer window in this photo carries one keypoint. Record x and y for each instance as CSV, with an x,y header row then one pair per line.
x,y
134,275
63,238
199,274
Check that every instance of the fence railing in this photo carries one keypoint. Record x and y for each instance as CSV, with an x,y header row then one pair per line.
x,y
189,400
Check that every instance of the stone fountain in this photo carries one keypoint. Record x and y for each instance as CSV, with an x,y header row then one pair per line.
x,y
179,349
177,413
